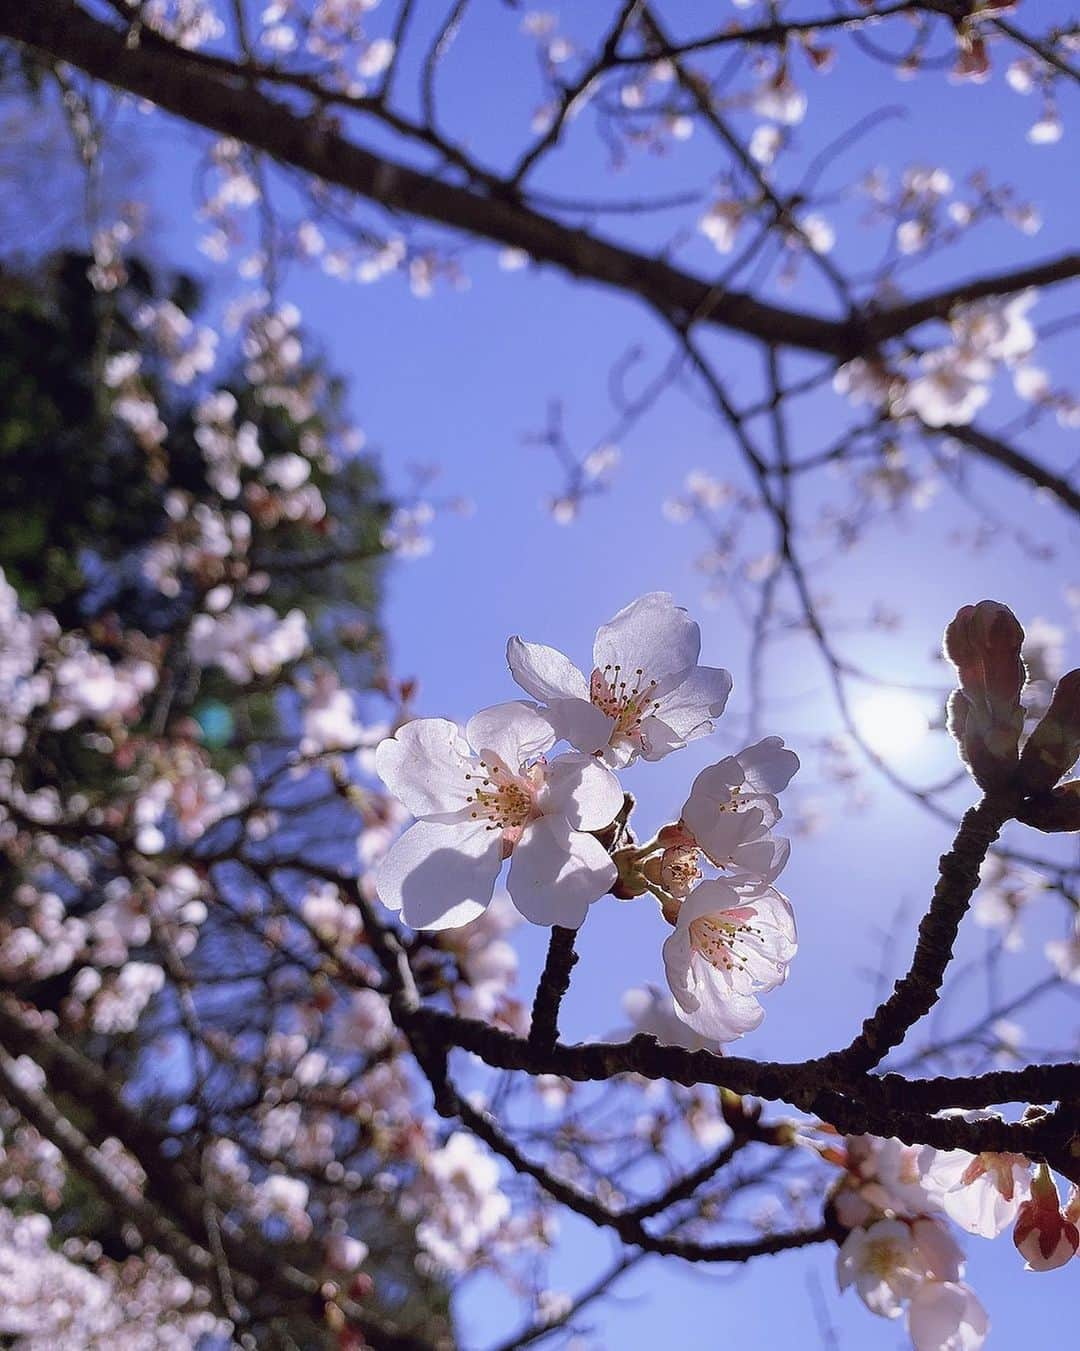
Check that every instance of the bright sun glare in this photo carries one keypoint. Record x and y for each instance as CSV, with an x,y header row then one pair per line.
x,y
891,722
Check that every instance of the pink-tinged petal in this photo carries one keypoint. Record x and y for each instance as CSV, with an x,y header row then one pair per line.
x,y
652,634
709,898
582,724
689,708
582,791
556,873
753,936
515,731
946,1316
441,875
544,672
424,765
768,766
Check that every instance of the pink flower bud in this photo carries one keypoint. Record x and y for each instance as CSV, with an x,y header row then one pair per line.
x,y
1053,747
1043,1235
983,642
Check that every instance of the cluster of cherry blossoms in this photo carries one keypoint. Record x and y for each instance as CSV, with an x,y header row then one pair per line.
x,y
495,792
895,1202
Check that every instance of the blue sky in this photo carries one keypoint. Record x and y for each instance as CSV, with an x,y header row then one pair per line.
x,y
464,377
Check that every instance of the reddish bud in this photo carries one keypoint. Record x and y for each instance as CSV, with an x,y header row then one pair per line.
x,y
983,642
1043,1235
1053,747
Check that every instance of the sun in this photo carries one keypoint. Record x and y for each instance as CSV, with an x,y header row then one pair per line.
x,y
891,722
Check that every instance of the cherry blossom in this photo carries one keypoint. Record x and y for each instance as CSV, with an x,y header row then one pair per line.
x,y
981,1193
248,641
465,1206
474,810
946,1316
882,1178
732,806
729,945
884,1265
647,695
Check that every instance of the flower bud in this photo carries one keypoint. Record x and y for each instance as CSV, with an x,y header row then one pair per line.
x,y
1043,1236
1053,747
983,642
631,881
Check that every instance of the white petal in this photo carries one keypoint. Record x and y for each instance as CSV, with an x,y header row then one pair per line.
x,y
715,1010
515,731
763,860
721,833
582,724
544,672
768,766
583,791
440,875
946,1316
653,635
657,740
556,873
424,766
980,1208
689,708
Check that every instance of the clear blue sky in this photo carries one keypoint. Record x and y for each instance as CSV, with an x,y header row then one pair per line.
x,y
461,378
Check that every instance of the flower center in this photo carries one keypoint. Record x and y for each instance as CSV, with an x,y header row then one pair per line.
x,y
507,800
628,702
718,940
679,869
884,1257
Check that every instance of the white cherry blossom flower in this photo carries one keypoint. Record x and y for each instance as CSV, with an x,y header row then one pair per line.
x,y
980,1192
951,390
946,1316
647,695
475,808
729,945
732,807
883,1263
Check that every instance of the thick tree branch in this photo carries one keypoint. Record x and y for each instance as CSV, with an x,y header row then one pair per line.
x,y
221,98
554,983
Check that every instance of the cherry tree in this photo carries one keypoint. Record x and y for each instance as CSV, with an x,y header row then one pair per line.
x,y
268,1073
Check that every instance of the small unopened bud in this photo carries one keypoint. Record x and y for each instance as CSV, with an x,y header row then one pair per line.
x,y
631,882
983,642
1053,747
1055,812
1043,1235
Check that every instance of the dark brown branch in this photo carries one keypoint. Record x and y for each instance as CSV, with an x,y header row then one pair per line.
x,y
917,992
185,87
554,983
1001,453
